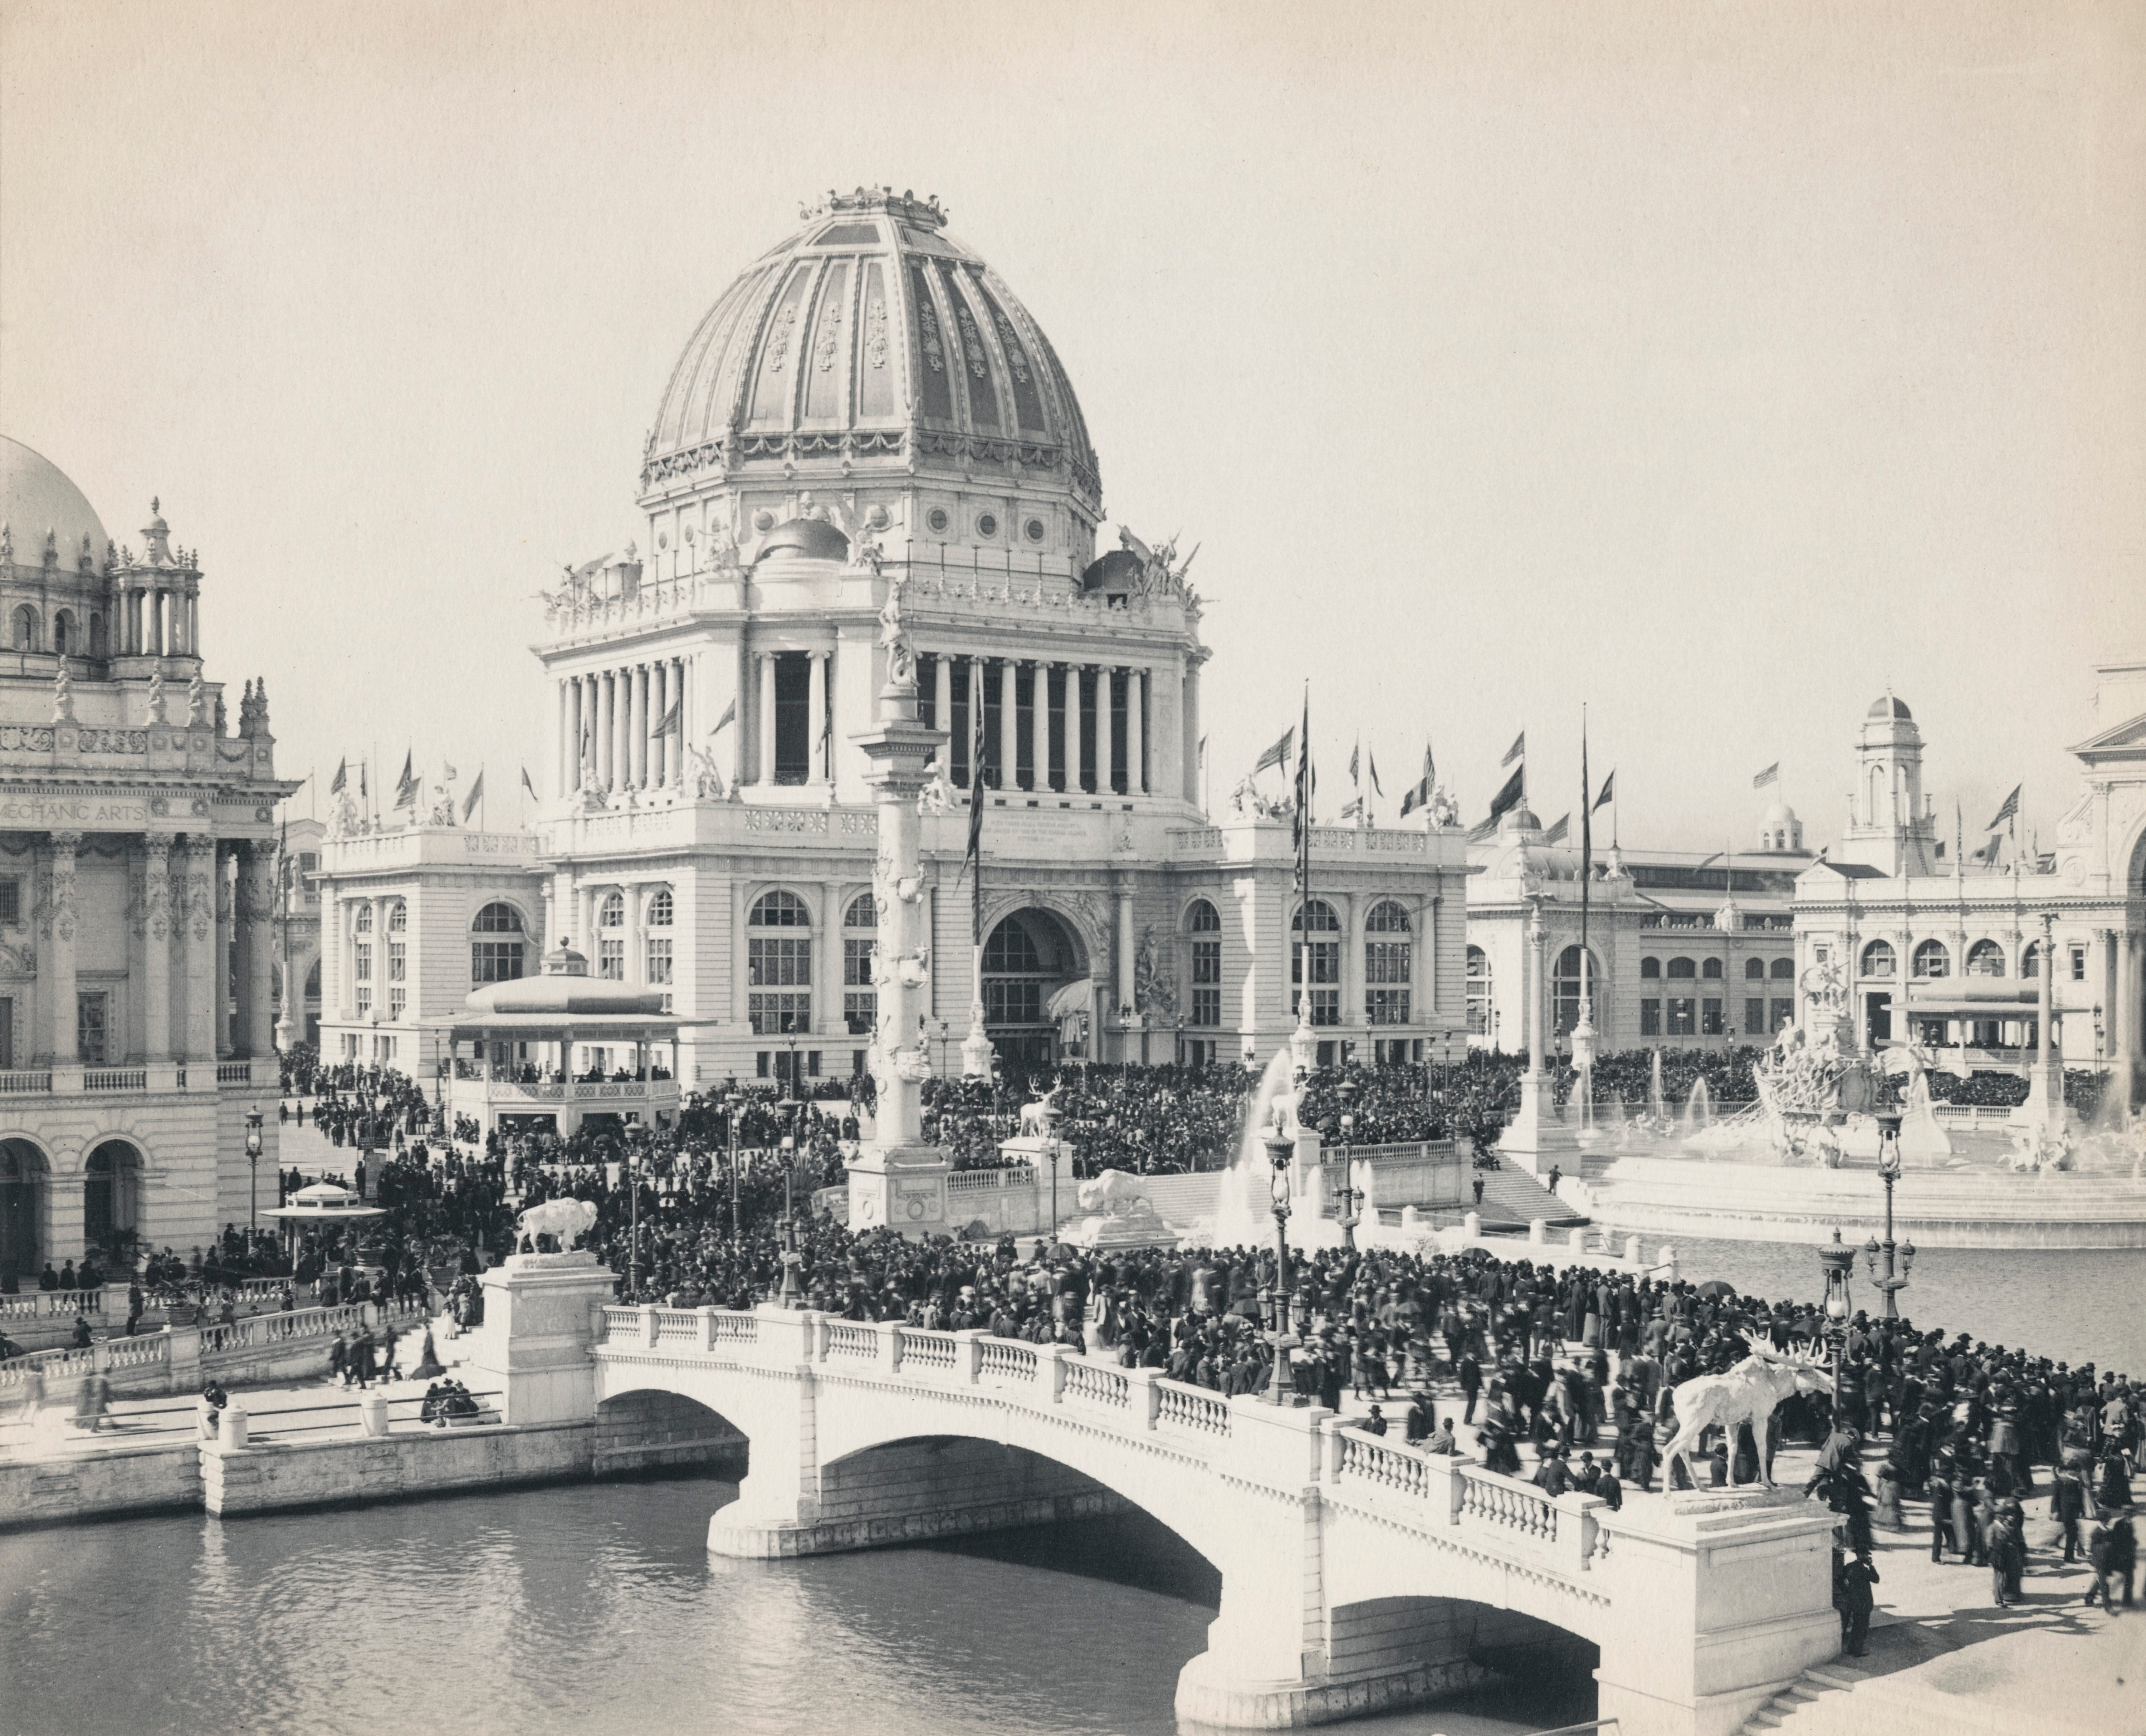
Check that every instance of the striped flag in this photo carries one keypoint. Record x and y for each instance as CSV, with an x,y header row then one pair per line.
x,y
342,777
1278,754
729,716
2010,810
476,795
1609,792
1555,835
1518,750
1771,775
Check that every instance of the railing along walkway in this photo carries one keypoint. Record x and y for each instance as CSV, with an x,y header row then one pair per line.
x,y
1143,1400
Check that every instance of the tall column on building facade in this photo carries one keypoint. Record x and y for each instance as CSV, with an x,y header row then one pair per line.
x,y
1192,790
1106,783
562,770
200,920
60,978
942,700
2045,1107
226,864
636,688
1040,693
1008,725
257,907
605,755
1135,732
1074,783
156,947
766,675
659,730
1127,946
815,720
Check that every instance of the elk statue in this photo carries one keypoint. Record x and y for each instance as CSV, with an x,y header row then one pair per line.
x,y
1749,1392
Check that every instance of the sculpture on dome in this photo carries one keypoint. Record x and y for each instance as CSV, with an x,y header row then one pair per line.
x,y
1159,575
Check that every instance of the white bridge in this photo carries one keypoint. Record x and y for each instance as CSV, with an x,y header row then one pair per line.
x,y
1358,1574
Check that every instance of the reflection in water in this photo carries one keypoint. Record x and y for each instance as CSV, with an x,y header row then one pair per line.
x,y
597,1609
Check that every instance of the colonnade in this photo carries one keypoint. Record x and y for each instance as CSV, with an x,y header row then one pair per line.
x,y
156,620
199,902
624,728
1106,688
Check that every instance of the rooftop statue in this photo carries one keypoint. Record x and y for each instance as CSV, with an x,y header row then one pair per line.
x,y
894,639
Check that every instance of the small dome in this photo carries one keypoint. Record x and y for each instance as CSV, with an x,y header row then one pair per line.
x,y
1518,819
803,539
1780,814
36,495
1885,705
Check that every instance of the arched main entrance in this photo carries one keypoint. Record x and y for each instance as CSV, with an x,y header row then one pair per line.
x,y
110,1194
1029,957
22,1207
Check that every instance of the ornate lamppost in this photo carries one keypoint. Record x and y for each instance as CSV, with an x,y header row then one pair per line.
x,y
1888,1170
252,1169
632,1155
1838,1263
733,1106
1280,1151
791,1295
1350,1196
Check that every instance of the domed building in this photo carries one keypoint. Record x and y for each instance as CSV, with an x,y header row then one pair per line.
x,y
137,850
869,431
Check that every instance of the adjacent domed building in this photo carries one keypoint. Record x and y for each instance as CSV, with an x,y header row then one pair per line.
x,y
870,434
138,899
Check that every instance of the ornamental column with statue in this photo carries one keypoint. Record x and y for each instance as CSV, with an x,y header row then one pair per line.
x,y
896,1179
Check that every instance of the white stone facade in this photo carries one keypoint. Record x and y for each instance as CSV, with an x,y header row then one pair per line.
x,y
137,865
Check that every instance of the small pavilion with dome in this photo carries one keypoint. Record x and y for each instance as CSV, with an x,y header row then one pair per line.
x,y
554,1051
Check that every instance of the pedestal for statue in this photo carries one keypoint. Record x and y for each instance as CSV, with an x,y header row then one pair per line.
x,y
543,1314
1537,1138
902,1187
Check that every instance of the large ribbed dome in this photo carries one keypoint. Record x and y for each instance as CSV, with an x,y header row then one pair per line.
x,y
872,339
38,497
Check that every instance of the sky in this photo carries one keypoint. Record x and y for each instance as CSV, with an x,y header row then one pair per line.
x,y
1710,365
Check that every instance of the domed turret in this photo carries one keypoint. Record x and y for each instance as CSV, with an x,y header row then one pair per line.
x,y
1781,830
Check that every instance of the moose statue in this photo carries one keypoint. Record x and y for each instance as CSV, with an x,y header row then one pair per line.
x,y
1750,1392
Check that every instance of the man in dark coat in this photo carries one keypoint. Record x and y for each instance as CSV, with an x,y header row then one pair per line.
x,y
1852,1580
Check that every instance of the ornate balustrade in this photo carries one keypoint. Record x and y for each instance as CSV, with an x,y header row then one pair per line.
x,y
49,1304
116,1079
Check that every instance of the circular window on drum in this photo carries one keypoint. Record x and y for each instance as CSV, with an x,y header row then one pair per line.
x,y
986,525
1035,530
936,518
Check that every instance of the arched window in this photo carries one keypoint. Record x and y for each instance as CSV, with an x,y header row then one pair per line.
x,y
361,922
1711,969
1479,992
398,918
1932,960
111,1192
1027,958
22,1206
1755,970
779,966
496,945
64,643
2030,960
1388,962
26,628
1649,969
1784,970
655,947
1316,948
1205,924
1878,960
611,937
1683,970
1565,988
1985,958
859,936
